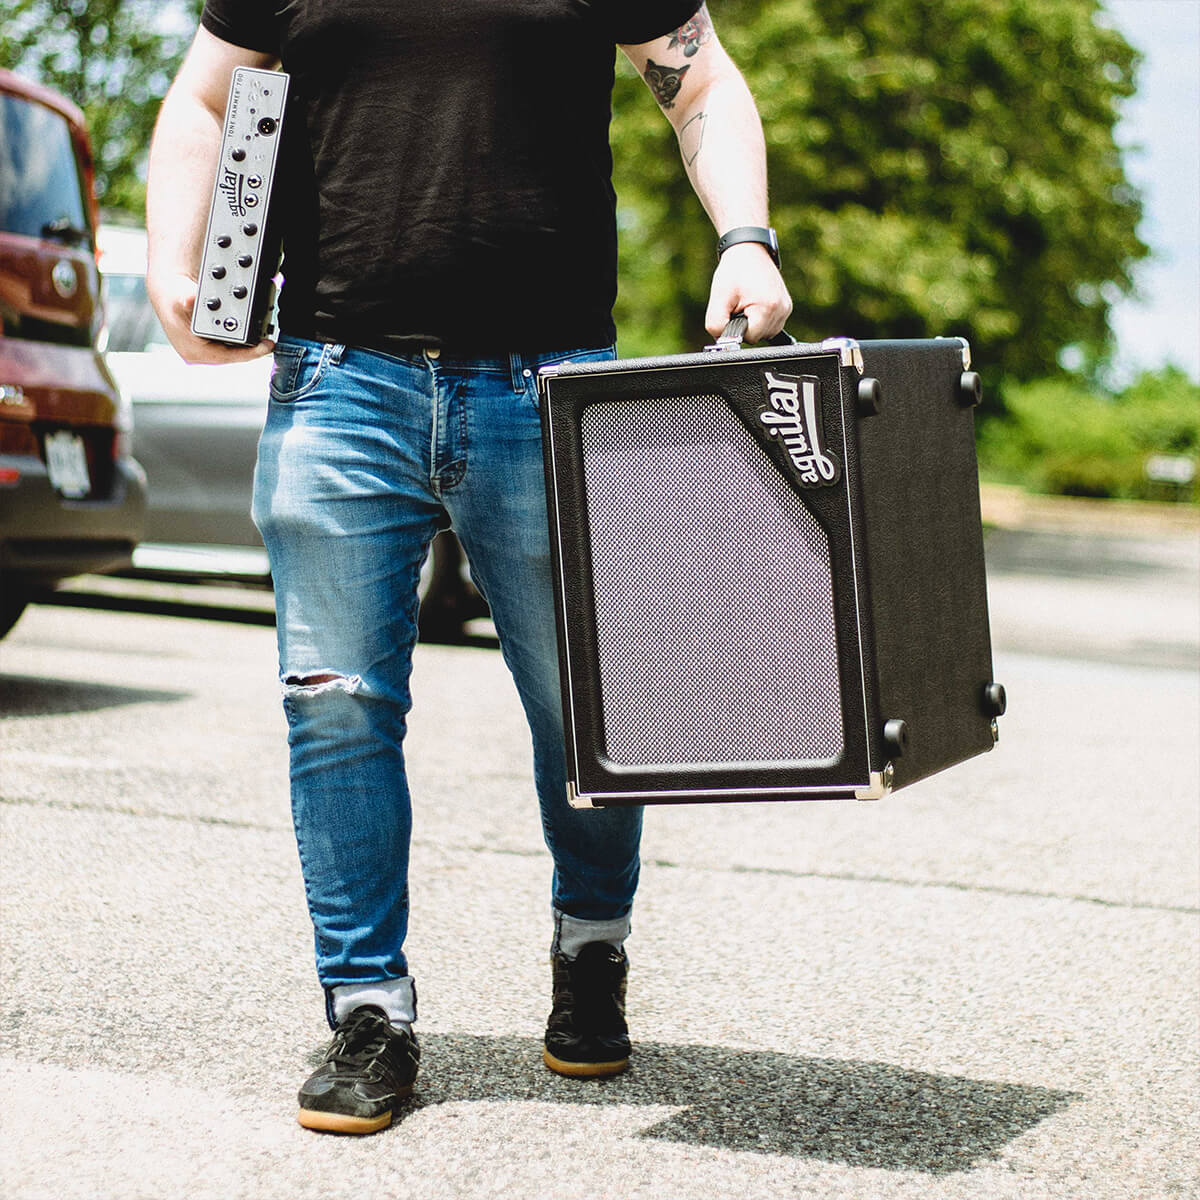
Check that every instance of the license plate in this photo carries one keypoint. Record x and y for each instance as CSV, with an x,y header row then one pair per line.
x,y
66,464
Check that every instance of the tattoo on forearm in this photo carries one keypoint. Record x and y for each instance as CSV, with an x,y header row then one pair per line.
x,y
665,82
691,137
691,35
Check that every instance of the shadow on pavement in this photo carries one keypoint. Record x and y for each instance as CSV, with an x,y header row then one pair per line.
x,y
860,1114
28,696
446,632
1078,556
158,607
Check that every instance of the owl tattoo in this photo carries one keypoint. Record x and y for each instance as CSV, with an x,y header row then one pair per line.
x,y
665,82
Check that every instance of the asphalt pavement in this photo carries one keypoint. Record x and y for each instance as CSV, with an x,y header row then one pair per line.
x,y
983,986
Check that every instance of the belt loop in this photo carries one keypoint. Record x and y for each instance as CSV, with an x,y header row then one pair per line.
x,y
516,365
336,350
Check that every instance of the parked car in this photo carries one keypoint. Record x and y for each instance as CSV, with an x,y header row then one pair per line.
x,y
196,433
72,500
197,430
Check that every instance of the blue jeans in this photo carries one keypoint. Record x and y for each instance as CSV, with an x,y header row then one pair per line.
x,y
363,458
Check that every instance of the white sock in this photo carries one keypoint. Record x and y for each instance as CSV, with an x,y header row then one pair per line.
x,y
397,998
571,934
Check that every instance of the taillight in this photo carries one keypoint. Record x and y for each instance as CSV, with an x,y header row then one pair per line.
x,y
19,442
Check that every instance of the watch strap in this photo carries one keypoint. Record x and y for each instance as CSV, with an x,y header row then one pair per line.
x,y
751,233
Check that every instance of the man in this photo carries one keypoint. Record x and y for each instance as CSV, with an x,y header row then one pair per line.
x,y
449,228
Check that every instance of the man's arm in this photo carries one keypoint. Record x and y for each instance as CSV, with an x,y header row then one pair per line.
x,y
720,137
183,165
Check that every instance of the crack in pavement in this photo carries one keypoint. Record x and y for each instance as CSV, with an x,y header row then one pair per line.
x,y
664,864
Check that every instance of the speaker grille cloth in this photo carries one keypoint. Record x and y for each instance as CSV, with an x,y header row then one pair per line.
x,y
713,586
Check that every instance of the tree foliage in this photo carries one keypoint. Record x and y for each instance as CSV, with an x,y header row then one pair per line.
x,y
1061,436
115,59
937,167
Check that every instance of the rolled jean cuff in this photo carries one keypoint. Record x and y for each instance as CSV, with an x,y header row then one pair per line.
x,y
397,998
571,934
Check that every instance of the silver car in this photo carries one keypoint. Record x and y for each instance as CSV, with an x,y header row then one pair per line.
x,y
195,430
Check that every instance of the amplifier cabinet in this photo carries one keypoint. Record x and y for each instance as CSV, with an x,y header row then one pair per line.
x,y
769,574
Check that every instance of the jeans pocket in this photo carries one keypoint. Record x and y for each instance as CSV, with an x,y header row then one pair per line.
x,y
299,366
594,354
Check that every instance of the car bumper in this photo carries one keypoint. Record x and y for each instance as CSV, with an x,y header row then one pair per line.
x,y
44,537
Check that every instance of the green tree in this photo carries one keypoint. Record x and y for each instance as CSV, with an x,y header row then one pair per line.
x,y
937,167
1062,436
115,59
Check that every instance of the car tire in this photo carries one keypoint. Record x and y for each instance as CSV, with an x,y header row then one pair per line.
x,y
11,608
448,598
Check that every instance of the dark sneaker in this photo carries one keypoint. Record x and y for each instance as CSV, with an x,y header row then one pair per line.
x,y
586,1034
369,1068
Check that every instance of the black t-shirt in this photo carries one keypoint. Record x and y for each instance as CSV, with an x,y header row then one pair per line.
x,y
451,183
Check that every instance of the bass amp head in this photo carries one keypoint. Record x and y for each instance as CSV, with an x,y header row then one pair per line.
x,y
769,574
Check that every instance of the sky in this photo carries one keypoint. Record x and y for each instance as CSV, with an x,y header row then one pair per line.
x,y
1160,129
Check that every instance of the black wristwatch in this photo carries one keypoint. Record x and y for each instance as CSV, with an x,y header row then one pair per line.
x,y
751,233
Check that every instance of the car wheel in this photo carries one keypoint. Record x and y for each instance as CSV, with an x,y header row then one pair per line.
x,y
12,605
448,599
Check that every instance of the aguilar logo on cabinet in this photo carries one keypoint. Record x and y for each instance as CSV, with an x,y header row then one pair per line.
x,y
793,415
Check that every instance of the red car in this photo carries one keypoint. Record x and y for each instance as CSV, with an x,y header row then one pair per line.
x,y
72,500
